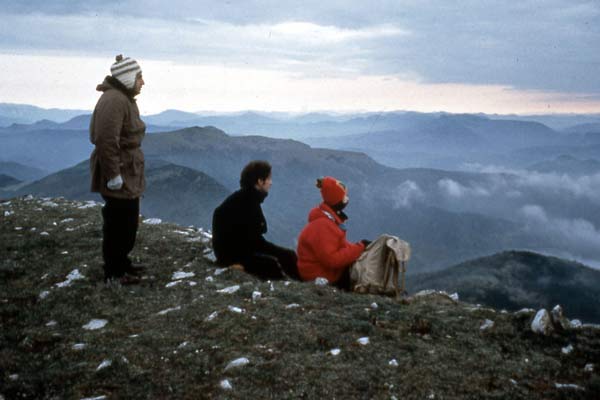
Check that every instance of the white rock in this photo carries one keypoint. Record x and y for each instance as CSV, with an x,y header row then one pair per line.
x,y
181,232
541,323
568,386
182,275
219,271
8,213
44,234
95,324
64,221
73,276
256,295
567,349
171,284
168,310
559,319
513,382
209,279
229,290
238,362
423,293
335,352
52,323
576,324
64,252
5,204
236,310
393,363
487,324
192,283
321,281
28,197
104,364
152,221
211,316
78,346
271,287
225,385
18,228
293,305
374,306
95,398
49,204
363,340
589,368
182,345
454,296
44,294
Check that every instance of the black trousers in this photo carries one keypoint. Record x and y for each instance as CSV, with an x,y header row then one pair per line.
x,y
273,262
119,230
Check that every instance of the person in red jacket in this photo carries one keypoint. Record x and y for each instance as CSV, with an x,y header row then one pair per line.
x,y
323,250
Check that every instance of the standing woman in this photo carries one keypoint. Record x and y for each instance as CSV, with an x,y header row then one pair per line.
x,y
117,166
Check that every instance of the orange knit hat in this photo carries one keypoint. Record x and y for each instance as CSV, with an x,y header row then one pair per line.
x,y
332,190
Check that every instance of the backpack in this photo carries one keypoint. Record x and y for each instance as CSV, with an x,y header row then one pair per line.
x,y
377,268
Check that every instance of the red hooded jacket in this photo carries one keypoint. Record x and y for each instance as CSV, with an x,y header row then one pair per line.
x,y
323,250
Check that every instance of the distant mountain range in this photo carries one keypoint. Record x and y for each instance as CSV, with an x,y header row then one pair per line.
x,y
513,280
543,196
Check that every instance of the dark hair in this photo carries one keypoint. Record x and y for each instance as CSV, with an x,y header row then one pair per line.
x,y
254,171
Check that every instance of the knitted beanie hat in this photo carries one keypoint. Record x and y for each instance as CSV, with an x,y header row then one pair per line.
x,y
332,190
125,70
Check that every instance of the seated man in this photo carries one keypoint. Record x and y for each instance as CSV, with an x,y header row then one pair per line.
x,y
323,250
239,225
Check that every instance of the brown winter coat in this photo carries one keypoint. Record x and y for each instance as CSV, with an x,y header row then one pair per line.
x,y
117,132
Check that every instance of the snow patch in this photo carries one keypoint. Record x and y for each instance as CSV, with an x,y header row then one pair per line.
x,y
567,349
212,316
321,281
363,340
393,363
374,306
49,204
52,323
8,213
95,324
238,362
236,310
168,310
335,352
152,221
210,256
104,364
225,385
293,305
487,324
78,346
182,275
229,290
589,368
256,295
73,276
568,386
219,271
44,294
171,284
95,398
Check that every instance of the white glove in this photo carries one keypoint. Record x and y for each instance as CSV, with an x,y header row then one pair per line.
x,y
115,183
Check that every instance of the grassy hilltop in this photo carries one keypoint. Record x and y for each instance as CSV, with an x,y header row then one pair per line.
x,y
176,334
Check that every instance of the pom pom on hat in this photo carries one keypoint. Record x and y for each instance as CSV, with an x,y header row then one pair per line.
x,y
125,69
332,190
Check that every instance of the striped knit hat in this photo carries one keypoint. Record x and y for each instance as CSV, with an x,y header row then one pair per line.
x,y
125,70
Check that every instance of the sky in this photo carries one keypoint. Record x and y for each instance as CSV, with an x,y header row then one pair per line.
x,y
526,57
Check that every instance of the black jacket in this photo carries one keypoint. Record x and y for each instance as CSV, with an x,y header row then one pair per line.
x,y
238,227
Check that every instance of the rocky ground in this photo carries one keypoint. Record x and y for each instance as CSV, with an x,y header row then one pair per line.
x,y
192,330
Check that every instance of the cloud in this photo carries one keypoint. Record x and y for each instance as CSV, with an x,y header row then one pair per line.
x,y
521,46
515,181
454,189
577,235
407,194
